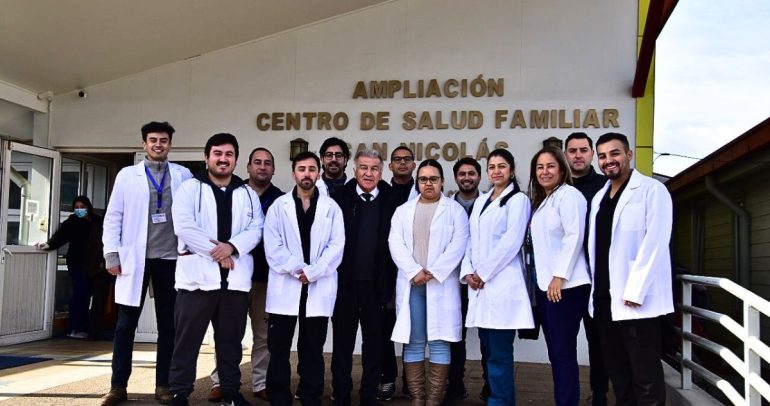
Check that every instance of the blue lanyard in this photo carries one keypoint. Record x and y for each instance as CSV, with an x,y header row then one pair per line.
x,y
158,188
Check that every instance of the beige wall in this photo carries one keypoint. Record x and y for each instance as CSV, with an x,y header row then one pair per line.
x,y
551,54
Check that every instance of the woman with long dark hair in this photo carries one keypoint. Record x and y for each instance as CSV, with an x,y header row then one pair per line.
x,y
563,280
83,231
427,242
498,302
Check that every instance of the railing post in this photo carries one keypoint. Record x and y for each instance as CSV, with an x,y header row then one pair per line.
x,y
750,358
686,328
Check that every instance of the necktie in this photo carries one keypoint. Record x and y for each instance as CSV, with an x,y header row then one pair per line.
x,y
367,196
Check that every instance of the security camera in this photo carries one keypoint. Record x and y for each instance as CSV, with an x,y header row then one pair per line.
x,y
82,94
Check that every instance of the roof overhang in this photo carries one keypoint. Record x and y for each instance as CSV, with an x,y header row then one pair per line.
x,y
736,152
657,15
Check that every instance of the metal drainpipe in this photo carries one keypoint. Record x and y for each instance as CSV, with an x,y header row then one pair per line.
x,y
744,233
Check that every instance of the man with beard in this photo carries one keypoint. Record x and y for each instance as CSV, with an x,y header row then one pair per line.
x,y
467,173
261,168
335,154
402,165
219,221
367,277
304,239
139,249
579,151
629,256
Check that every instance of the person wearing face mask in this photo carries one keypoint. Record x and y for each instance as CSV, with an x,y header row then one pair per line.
x,y
427,242
498,302
563,279
82,230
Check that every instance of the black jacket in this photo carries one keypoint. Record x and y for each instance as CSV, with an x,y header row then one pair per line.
x,y
589,184
260,262
402,192
348,200
84,236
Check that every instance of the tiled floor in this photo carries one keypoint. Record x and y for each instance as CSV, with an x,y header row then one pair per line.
x,y
79,374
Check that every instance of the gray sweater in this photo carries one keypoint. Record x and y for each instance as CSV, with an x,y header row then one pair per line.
x,y
161,240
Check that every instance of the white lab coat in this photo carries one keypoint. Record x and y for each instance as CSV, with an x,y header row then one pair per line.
x,y
195,224
323,190
639,259
283,249
558,227
448,238
125,227
494,253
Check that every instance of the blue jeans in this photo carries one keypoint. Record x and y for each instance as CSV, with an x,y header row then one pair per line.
x,y
561,325
81,298
161,272
415,351
498,347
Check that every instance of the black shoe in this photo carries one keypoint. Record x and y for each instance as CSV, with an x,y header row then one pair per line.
x,y
235,400
386,391
179,399
598,399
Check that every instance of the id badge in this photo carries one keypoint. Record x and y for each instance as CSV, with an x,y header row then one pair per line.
x,y
158,218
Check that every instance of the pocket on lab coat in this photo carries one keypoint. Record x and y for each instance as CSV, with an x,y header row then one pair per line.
x,y
127,260
188,270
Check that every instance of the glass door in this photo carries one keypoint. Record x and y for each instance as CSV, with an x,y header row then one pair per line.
x,y
30,177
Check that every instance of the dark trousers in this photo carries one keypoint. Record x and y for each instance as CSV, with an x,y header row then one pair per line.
x,y
458,354
102,283
226,310
161,273
597,373
388,364
561,325
312,336
498,346
80,299
631,350
358,303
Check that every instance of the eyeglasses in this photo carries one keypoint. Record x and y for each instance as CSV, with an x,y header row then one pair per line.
x,y
334,155
399,159
424,180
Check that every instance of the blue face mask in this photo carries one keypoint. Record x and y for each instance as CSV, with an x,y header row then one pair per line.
x,y
81,212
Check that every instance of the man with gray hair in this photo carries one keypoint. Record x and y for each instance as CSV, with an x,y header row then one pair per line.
x,y
366,277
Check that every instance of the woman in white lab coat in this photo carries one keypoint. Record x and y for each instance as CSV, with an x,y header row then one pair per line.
x,y
427,241
563,280
498,302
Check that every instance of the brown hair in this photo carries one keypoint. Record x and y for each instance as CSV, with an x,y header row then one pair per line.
x,y
537,192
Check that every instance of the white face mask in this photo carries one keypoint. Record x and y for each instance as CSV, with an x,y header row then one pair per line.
x,y
81,212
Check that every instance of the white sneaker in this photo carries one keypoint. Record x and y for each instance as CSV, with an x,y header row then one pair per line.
x,y
81,335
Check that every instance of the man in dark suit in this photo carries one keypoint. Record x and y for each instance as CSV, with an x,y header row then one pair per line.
x,y
366,277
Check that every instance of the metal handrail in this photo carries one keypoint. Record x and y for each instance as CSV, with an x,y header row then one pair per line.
x,y
754,350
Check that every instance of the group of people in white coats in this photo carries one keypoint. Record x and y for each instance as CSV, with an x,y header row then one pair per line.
x,y
624,280
333,255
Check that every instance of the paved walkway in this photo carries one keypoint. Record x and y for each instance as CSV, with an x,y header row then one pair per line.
x,y
79,374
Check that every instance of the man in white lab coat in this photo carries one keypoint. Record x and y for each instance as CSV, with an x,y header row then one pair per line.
x,y
139,248
218,222
304,241
630,229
